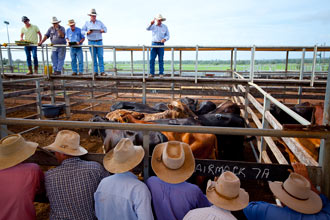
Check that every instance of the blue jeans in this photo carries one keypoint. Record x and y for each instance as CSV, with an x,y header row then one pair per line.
x,y
77,53
154,53
58,57
98,55
28,50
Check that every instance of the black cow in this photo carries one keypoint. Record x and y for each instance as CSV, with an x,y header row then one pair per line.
x,y
161,106
230,147
178,121
133,106
111,137
191,103
206,107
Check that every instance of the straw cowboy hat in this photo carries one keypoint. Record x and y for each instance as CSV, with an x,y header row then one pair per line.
x,y
160,17
71,22
226,192
14,150
67,142
296,193
173,161
93,12
124,157
54,20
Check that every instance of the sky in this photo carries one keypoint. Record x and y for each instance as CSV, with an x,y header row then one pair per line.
x,y
190,23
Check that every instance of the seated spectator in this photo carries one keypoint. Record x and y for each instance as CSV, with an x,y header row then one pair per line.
x,y
172,197
298,196
122,196
19,182
70,186
226,195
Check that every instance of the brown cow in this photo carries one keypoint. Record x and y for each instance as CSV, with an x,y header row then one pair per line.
x,y
203,146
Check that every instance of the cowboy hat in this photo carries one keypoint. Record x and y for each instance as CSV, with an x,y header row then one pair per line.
x,y
296,193
14,150
67,142
124,157
93,12
71,22
160,17
226,192
173,161
54,20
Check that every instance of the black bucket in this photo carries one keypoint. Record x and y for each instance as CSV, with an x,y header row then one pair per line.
x,y
52,111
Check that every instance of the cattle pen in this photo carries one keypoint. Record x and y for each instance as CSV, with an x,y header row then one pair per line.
x,y
22,98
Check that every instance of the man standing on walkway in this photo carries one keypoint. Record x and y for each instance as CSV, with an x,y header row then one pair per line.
x,y
75,37
160,34
56,33
94,29
31,33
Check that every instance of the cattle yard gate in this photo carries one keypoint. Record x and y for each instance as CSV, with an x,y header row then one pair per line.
x,y
253,91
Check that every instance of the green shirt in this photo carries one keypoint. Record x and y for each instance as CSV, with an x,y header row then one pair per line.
x,y
31,33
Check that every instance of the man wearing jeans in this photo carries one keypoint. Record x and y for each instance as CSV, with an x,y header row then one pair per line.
x,y
31,33
56,33
160,34
94,29
74,37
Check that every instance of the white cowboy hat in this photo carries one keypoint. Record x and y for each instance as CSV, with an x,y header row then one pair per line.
x,y
93,12
54,20
160,17
173,161
14,150
67,142
296,193
71,22
124,157
226,192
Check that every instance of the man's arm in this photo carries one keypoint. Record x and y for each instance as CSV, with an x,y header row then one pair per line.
x,y
43,40
103,28
22,35
150,27
40,36
302,170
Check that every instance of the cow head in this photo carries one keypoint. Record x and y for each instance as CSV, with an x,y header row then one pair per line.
x,y
228,107
181,108
96,118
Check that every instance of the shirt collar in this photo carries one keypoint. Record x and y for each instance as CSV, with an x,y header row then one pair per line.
x,y
128,173
71,160
216,207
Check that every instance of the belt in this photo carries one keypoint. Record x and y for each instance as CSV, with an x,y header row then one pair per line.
x,y
96,40
157,42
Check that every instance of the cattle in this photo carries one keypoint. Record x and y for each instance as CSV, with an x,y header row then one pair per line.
x,y
133,106
161,106
203,146
191,103
229,147
227,107
111,137
206,107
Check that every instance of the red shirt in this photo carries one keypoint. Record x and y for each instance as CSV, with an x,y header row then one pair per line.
x,y
18,186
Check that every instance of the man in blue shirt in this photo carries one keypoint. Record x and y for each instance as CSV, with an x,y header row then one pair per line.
x,y
75,37
122,196
172,197
94,29
301,200
160,34
56,33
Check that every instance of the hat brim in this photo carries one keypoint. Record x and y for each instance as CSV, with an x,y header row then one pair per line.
x,y
78,152
236,204
70,24
56,22
162,19
11,160
92,14
169,175
113,166
310,206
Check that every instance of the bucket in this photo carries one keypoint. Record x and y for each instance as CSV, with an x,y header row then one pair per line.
x,y
52,111
48,69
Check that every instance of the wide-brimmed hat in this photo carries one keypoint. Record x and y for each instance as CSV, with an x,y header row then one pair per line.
x,y
93,12
14,149
124,157
71,22
54,20
160,17
67,142
296,193
226,192
173,161
24,19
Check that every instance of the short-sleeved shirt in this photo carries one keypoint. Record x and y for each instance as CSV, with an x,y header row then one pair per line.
x,y
31,33
173,201
74,36
18,186
264,210
54,36
70,188
122,196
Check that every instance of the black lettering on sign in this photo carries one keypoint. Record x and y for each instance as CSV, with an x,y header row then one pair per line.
x,y
244,170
